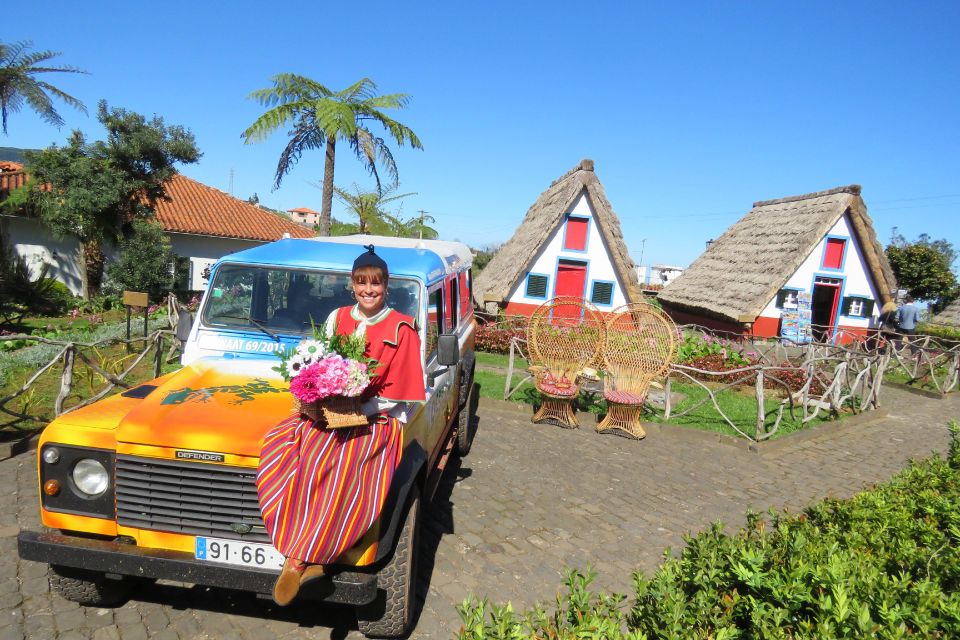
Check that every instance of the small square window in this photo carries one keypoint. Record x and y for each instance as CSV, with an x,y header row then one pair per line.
x,y
856,307
602,293
536,286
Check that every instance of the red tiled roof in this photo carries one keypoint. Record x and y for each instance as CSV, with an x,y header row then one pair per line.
x,y
10,165
303,210
198,209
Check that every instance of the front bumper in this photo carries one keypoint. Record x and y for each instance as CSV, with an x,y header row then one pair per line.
x,y
345,587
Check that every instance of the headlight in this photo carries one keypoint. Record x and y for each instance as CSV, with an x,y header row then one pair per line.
x,y
90,477
77,480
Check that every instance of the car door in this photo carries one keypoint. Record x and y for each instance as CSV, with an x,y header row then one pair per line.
x,y
440,389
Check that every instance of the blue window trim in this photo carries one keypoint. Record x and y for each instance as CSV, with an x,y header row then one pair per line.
x,y
843,258
526,286
586,240
843,287
556,272
613,292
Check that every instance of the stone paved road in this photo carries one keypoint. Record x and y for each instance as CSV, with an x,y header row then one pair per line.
x,y
527,501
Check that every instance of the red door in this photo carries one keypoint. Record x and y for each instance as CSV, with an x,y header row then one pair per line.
x,y
571,278
571,281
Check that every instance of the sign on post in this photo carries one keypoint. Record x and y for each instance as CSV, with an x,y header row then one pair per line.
x,y
136,299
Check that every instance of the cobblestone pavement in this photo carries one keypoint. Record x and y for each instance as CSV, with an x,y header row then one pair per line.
x,y
529,500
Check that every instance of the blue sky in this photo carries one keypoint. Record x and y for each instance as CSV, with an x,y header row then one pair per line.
x,y
691,111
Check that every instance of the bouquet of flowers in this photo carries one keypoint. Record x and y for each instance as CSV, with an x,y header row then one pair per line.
x,y
327,374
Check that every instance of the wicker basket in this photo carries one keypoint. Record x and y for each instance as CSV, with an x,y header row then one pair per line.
x,y
335,413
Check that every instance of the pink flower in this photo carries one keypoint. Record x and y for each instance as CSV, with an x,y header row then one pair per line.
x,y
357,378
304,386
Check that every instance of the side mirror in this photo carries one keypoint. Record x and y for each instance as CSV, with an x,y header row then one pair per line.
x,y
448,350
184,324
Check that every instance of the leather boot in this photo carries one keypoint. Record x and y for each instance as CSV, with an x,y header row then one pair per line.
x,y
312,572
288,582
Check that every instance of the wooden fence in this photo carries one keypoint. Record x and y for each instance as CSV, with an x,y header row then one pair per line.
x,y
160,347
803,381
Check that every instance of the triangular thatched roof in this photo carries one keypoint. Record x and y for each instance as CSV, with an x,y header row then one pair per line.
x,y
949,316
543,218
743,269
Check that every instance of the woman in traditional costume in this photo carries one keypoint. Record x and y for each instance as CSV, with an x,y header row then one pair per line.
x,y
321,489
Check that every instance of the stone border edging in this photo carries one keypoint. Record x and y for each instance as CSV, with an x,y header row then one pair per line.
x,y
16,447
698,435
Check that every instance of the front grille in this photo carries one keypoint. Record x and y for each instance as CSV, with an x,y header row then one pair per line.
x,y
188,497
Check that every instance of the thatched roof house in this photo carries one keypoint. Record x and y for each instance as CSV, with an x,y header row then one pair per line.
x,y
778,253
569,243
950,316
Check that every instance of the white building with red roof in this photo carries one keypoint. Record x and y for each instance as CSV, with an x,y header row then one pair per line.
x,y
203,224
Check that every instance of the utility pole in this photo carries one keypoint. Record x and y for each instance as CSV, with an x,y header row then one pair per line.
x,y
422,213
231,180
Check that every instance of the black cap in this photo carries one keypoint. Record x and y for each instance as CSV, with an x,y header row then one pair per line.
x,y
370,259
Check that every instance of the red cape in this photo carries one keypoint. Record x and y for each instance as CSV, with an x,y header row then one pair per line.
x,y
395,345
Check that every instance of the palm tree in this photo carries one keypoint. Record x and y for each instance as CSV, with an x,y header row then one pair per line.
x,y
18,85
368,206
321,117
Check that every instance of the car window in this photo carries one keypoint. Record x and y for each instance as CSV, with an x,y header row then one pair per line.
x,y
289,301
434,321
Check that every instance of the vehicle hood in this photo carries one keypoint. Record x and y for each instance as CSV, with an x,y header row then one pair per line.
x,y
213,406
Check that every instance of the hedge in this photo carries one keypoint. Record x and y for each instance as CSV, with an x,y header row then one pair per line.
x,y
883,564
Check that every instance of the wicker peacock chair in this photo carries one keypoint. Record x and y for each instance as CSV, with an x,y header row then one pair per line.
x,y
641,343
564,336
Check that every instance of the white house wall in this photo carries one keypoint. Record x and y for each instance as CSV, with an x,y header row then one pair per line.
x,y
36,245
855,275
33,242
203,251
597,256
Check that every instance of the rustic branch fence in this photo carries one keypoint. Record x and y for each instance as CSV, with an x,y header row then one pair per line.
x,y
803,381
70,352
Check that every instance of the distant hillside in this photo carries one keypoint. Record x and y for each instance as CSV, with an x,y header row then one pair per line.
x,y
12,154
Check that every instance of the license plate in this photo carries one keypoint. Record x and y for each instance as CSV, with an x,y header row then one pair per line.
x,y
244,554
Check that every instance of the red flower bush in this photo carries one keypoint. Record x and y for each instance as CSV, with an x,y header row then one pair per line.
x,y
495,337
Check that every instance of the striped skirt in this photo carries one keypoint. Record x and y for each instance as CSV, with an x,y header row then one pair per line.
x,y
320,490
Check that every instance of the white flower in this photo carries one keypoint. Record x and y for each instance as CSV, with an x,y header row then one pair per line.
x,y
295,363
311,351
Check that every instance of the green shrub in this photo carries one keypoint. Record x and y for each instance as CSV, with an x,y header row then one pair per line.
x,y
143,263
938,331
883,564
52,298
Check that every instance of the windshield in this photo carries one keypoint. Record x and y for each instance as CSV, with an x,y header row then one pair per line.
x,y
278,300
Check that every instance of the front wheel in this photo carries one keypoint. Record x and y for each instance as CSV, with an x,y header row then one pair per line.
x,y
85,587
391,613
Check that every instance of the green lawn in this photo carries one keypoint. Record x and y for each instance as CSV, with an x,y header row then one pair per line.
x,y
500,360
739,405
898,375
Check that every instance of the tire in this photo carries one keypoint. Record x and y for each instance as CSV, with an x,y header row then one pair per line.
x,y
390,615
465,430
85,587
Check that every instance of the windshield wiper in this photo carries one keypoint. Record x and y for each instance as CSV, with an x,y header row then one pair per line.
x,y
256,323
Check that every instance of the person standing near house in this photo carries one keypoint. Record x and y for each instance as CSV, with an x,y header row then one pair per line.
x,y
887,325
907,317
